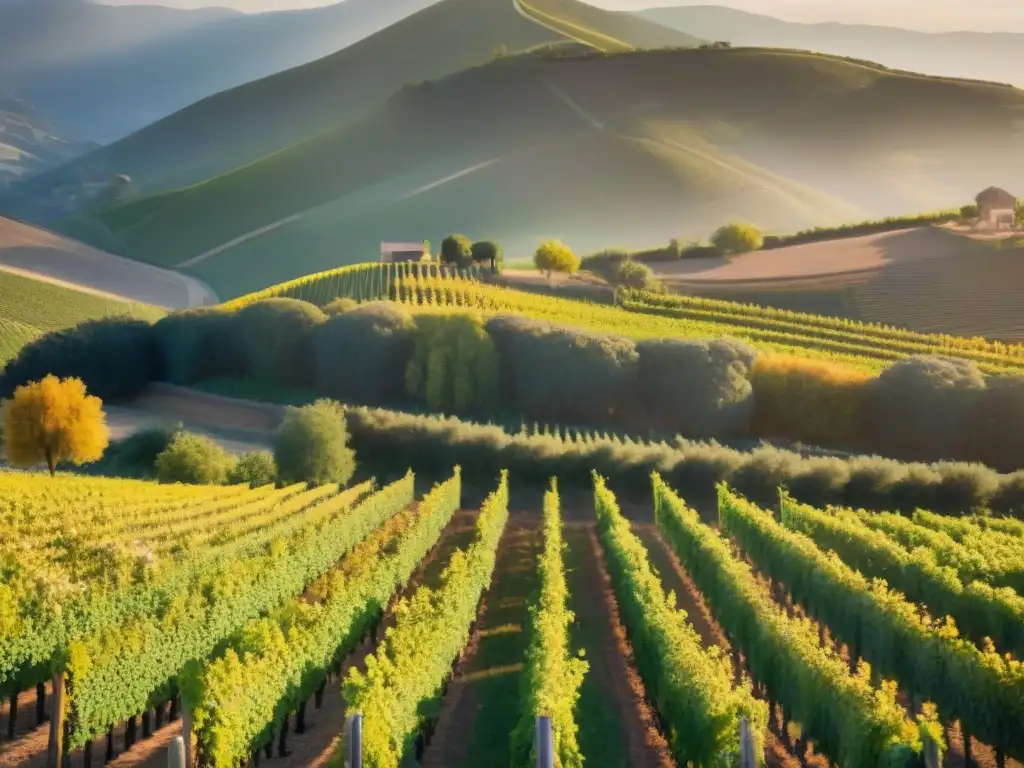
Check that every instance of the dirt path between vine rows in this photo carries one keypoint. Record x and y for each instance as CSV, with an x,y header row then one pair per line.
x,y
675,578
615,722
481,707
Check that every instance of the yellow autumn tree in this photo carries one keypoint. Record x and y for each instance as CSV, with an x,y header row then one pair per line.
x,y
54,420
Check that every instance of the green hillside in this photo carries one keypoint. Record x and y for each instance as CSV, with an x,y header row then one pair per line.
x,y
30,308
599,150
242,124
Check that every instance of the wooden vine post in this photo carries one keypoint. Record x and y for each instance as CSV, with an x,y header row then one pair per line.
x,y
748,756
186,737
55,749
176,753
931,752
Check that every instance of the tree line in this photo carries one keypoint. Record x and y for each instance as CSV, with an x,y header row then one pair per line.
x,y
501,366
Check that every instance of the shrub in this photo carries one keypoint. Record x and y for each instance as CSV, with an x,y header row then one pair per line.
x,y
809,401
737,238
554,256
255,469
197,344
698,388
311,445
672,252
361,355
633,274
457,250
135,455
193,459
604,263
923,408
699,252
969,212
114,357
486,252
563,374
340,306
275,336
432,444
454,364
996,433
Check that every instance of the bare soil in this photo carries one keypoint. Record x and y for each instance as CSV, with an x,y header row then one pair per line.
x,y
614,718
481,707
49,256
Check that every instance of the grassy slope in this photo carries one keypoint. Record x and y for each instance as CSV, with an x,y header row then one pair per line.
x,y
29,308
245,123
688,138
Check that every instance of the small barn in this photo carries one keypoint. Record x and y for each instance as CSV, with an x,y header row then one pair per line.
x,y
997,209
393,253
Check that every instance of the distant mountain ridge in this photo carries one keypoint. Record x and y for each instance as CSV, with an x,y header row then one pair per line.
x,y
243,124
598,150
106,71
994,57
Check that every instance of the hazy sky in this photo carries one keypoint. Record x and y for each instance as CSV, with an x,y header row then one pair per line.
x,y
929,15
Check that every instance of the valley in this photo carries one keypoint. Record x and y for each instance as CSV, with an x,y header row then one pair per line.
x,y
463,383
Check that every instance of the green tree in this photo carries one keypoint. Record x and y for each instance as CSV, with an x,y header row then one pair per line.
x,y
340,306
554,256
633,274
487,251
457,250
454,365
193,459
275,336
311,445
737,238
361,355
256,468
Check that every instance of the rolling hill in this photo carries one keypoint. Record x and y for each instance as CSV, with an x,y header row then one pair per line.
x,y
107,71
997,57
241,125
599,150
29,144
47,256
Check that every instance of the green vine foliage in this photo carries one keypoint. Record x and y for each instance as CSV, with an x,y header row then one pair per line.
x,y
693,687
974,558
47,601
851,722
277,662
551,676
122,671
454,365
409,669
928,658
1002,553
980,610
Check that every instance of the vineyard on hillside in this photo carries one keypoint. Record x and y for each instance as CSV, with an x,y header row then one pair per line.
x,y
643,315
30,307
262,623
